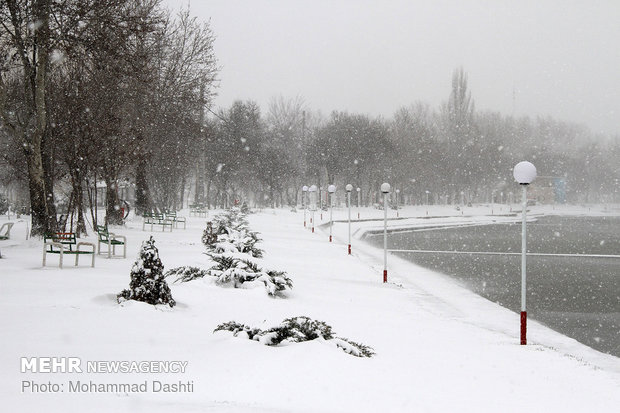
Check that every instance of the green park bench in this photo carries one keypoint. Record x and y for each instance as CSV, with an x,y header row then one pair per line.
x,y
62,243
5,230
111,240
197,210
156,219
176,219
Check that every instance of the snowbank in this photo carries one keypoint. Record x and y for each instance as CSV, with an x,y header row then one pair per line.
x,y
439,348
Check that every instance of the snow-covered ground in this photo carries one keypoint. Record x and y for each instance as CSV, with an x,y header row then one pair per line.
x,y
439,347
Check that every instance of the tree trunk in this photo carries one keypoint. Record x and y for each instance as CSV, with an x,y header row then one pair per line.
x,y
78,205
114,215
143,193
35,79
36,186
47,158
208,197
182,195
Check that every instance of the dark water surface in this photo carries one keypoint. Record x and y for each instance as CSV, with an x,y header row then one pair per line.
x,y
577,296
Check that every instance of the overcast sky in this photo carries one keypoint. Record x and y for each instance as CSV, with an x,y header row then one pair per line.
x,y
559,58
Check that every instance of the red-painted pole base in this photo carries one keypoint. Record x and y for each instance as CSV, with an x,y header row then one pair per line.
x,y
523,328
313,230
349,249
384,276
304,224
358,215
330,238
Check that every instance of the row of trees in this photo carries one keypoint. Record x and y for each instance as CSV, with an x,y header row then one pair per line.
x,y
445,151
116,92
100,90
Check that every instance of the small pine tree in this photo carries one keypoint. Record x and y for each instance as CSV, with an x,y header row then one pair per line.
x,y
230,232
147,278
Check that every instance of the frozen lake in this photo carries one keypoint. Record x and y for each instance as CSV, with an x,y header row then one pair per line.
x,y
577,296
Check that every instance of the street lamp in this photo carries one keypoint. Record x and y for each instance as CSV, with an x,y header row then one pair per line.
x,y
359,201
349,188
321,202
304,190
331,189
312,191
385,188
524,173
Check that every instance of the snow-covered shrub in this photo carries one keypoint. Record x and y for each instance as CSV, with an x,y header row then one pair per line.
x,y
237,271
296,330
230,232
230,269
353,348
245,209
184,274
147,278
231,245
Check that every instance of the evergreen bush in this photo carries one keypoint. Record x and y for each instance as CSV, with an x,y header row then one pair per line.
x,y
231,245
230,232
296,330
147,278
229,269
184,274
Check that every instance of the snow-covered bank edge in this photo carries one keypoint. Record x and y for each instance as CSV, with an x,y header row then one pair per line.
x,y
458,301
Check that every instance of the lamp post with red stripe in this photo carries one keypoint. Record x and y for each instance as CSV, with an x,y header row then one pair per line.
x,y
385,189
312,191
349,188
524,173
330,198
304,204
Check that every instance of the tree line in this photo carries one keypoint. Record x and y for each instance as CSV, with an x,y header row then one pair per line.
x,y
118,93
448,154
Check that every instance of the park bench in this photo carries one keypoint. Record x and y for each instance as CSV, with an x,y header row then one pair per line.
x,y
62,243
6,233
156,219
111,240
176,219
197,210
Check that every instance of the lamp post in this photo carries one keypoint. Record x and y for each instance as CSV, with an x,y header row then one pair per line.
x,y
321,202
524,173
312,191
330,198
359,201
349,188
385,188
427,192
304,190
